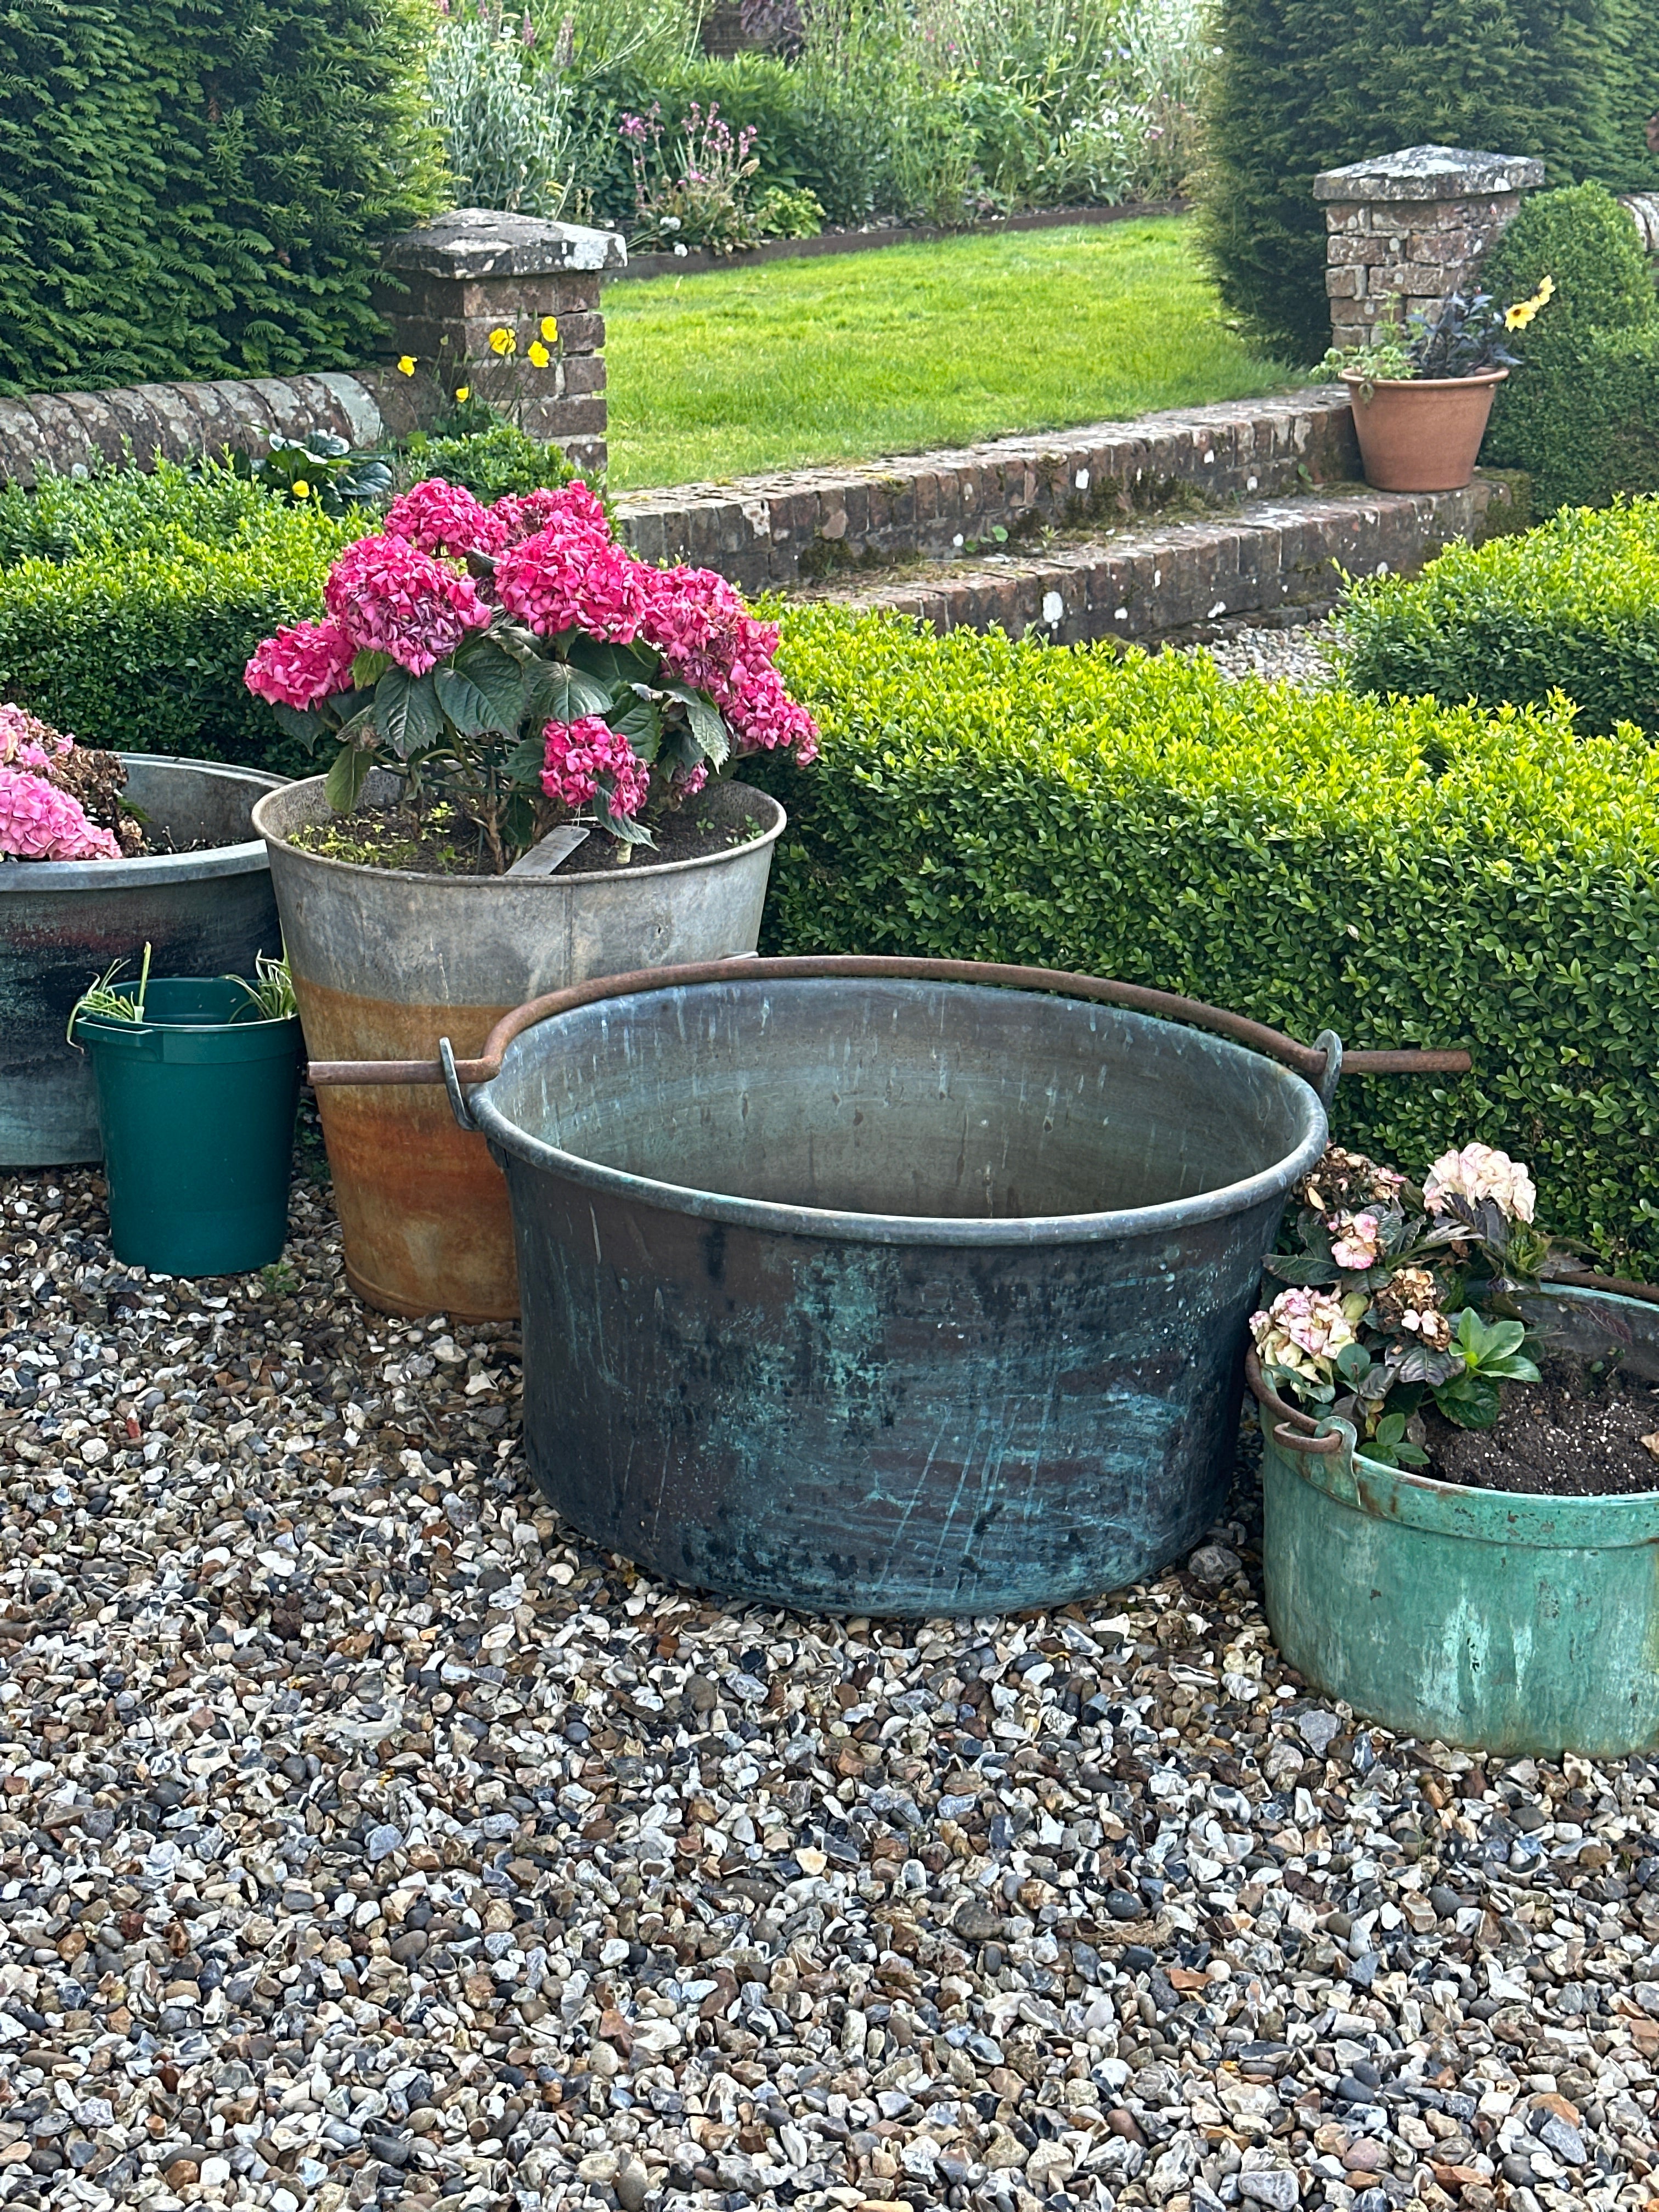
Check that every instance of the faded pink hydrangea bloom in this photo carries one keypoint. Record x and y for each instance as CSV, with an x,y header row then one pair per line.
x,y
521,514
1357,1243
389,596
1303,1330
27,742
579,753
302,665
440,517
39,822
1477,1172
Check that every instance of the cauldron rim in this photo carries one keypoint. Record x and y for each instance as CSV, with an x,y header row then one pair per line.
x,y
770,1217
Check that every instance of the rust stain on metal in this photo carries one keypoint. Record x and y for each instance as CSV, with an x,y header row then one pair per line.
x,y
413,1190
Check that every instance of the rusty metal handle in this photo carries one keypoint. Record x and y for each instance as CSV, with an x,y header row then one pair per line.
x,y
1294,1430
1309,1061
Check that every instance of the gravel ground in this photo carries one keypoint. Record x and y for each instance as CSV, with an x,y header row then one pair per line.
x,y
367,1841
1294,655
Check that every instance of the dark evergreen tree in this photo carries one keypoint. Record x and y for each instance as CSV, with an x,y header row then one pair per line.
x,y
1306,85
200,187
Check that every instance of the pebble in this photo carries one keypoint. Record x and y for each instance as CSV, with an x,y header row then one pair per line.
x,y
1295,654
367,1841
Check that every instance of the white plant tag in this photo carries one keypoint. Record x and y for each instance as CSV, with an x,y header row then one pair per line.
x,y
557,845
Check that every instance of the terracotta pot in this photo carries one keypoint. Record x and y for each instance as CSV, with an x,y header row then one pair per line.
x,y
1422,434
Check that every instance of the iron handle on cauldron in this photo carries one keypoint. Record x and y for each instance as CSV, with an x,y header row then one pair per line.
x,y
1319,1064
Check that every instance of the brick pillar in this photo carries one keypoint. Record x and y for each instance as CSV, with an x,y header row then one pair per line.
x,y
1411,227
475,270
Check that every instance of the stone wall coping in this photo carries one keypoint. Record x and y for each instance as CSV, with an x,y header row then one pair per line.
x,y
1430,172
469,243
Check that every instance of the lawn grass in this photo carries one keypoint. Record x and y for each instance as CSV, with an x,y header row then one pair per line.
x,y
787,363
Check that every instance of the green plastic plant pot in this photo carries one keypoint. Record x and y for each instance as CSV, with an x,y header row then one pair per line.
x,y
198,1117
1502,1622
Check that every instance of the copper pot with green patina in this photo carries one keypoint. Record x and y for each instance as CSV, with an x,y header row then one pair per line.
x,y
1499,1621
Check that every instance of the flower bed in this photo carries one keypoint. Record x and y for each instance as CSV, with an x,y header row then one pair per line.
x,y
1407,873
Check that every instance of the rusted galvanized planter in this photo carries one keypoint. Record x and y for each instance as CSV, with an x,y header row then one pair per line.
x,y
1507,1623
63,922
386,960
865,1286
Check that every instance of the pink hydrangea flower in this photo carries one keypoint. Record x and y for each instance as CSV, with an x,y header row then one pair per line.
x,y
38,821
389,596
521,514
570,576
302,665
1477,1172
691,780
445,517
579,753
1303,1330
708,639
27,742
1357,1243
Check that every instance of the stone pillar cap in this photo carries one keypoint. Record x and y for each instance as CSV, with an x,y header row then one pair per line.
x,y
1430,173
473,242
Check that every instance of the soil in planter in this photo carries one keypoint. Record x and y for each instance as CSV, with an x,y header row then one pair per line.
x,y
1574,1435
444,843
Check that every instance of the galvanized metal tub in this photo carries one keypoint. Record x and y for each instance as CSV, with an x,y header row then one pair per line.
x,y
867,1293
62,922
1502,1622
386,960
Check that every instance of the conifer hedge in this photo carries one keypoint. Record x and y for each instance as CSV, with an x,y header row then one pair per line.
x,y
202,191
1304,85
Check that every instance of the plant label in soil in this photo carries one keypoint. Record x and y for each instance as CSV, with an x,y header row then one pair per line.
x,y
559,845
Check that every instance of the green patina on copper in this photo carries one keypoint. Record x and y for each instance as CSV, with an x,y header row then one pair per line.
x,y
1506,1623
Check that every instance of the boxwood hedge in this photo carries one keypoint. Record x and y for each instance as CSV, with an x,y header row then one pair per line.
x,y
1571,607
129,606
1405,874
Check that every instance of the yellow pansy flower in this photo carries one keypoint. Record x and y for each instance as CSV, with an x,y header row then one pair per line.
x,y
549,328
300,488
406,365
501,341
1523,310
539,355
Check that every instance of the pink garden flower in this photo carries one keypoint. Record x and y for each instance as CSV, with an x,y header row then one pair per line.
x,y
39,822
27,742
1358,1242
579,753
1478,1172
445,517
570,576
301,666
708,639
389,596
521,514
1303,1330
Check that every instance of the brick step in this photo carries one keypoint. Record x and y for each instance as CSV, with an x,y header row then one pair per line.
x,y
1156,581
811,525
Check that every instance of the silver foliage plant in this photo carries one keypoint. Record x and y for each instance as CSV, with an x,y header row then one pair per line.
x,y
507,129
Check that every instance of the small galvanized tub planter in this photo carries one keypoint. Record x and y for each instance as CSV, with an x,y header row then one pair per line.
x,y
385,961
893,1286
1501,1622
62,922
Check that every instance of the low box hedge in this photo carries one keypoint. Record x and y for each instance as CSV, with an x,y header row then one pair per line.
x,y
1405,873
1571,607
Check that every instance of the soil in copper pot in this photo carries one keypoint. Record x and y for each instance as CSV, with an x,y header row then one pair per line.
x,y
442,842
1574,1435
